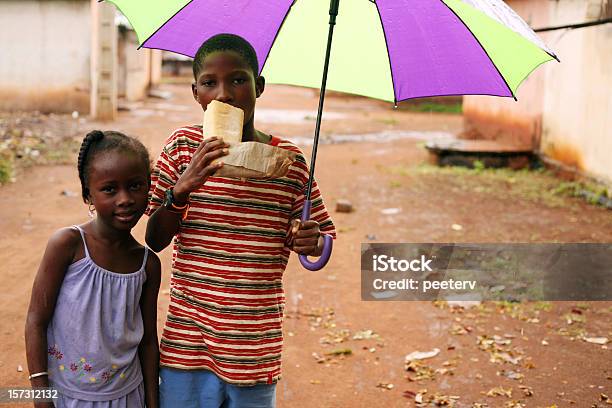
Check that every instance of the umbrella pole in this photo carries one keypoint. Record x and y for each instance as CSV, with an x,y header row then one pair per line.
x,y
333,13
327,240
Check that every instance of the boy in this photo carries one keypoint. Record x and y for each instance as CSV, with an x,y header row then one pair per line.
x,y
223,337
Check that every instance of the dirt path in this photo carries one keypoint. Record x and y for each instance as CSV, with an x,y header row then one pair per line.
x,y
325,307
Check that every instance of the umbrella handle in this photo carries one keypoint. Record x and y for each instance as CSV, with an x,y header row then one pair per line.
x,y
327,245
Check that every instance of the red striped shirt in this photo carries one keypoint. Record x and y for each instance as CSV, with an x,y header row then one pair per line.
x,y
226,297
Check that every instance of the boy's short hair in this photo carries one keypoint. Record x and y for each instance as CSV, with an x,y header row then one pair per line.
x,y
226,42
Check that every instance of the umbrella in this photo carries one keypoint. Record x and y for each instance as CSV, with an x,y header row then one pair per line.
x,y
386,49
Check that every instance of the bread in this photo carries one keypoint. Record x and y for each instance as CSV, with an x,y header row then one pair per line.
x,y
224,121
245,159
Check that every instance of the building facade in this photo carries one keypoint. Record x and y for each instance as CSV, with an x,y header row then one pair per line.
x,y
564,110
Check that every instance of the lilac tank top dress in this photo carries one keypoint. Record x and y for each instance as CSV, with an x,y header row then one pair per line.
x,y
94,335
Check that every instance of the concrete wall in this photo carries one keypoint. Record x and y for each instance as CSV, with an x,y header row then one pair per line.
x,y
51,58
137,68
505,119
45,55
564,109
577,122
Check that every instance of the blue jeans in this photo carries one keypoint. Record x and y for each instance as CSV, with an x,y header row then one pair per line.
x,y
203,389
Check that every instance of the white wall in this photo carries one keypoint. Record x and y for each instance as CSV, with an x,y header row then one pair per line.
x,y
577,121
45,55
505,119
135,66
564,108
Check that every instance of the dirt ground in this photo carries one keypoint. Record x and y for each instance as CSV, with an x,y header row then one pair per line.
x,y
496,355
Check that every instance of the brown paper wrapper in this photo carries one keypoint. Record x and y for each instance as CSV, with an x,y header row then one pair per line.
x,y
256,160
245,159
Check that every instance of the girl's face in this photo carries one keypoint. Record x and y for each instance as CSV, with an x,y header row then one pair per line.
x,y
118,188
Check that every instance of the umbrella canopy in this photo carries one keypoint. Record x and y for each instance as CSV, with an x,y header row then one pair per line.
x,y
385,49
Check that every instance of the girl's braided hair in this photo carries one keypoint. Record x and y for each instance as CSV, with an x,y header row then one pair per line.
x,y
97,141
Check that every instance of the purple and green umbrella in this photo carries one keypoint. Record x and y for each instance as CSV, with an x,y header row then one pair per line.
x,y
385,49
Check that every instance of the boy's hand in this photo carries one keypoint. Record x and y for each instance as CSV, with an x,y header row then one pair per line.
x,y
305,237
200,167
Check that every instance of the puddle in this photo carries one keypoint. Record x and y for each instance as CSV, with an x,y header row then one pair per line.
x,y
293,116
378,137
144,113
170,107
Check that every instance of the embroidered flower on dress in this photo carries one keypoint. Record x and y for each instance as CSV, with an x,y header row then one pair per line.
x,y
54,351
80,368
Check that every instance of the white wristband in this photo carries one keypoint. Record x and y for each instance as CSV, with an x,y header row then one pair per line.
x,y
37,375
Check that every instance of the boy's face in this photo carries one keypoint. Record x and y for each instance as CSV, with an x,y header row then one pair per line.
x,y
226,77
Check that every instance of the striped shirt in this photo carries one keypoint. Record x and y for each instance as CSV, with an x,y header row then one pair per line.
x,y
226,293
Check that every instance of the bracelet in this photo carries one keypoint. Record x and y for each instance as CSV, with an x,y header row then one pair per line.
x,y
31,376
179,208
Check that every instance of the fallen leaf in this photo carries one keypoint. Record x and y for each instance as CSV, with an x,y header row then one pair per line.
x,y
527,391
409,394
365,335
504,357
420,397
315,382
319,358
464,304
596,340
422,355
335,337
571,318
420,370
500,391
445,371
458,329
340,352
514,404
513,375
456,227
384,385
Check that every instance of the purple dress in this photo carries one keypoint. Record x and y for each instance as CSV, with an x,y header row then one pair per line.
x,y
94,335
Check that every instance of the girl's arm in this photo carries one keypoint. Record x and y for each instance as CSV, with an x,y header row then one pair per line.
x,y
58,256
148,350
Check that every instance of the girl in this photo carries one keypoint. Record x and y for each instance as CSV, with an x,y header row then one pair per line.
x,y
91,325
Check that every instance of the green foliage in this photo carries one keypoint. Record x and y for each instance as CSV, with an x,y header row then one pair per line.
x,y
593,193
6,169
456,108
